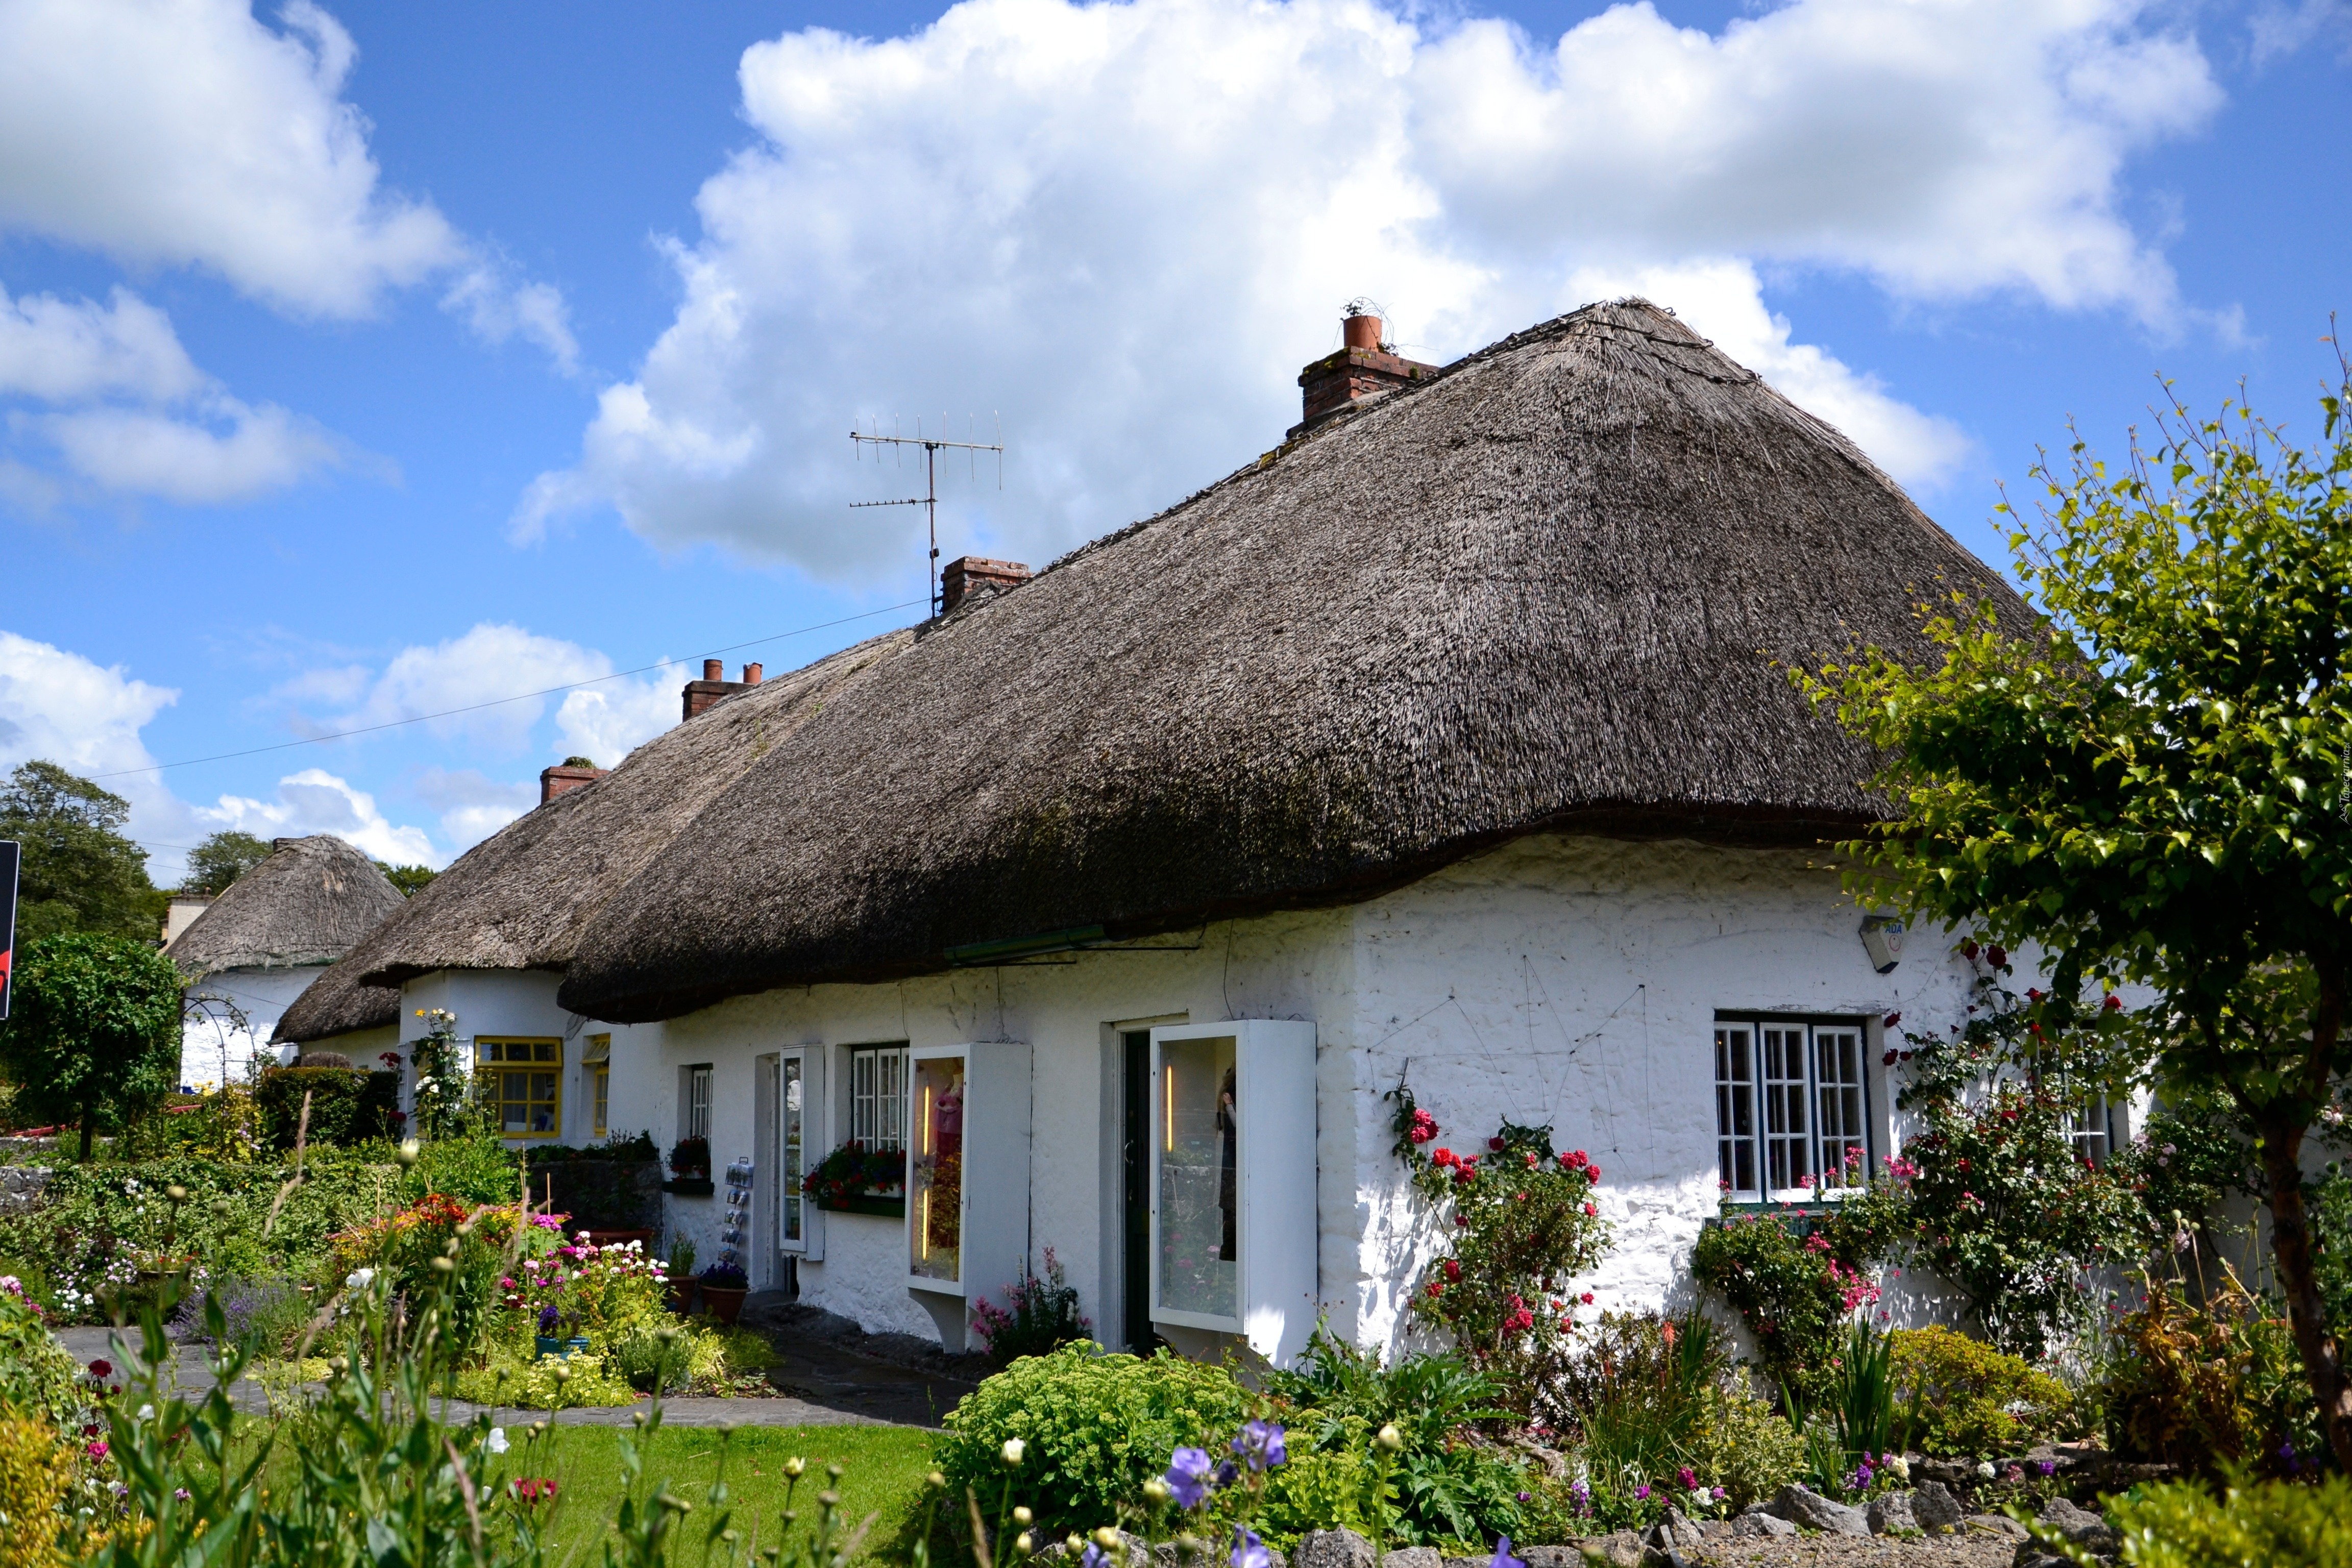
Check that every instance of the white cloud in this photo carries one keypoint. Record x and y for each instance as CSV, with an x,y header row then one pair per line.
x,y
315,801
1125,226
86,717
242,452
605,722
472,804
125,361
60,351
473,671
1724,302
187,133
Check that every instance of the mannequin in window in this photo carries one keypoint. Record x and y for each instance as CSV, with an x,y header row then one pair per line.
x,y
1227,1126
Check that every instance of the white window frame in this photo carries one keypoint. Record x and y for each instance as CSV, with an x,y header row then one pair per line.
x,y
877,1094
1792,1095
698,1101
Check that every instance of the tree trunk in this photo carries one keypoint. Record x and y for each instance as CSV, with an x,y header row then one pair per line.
x,y
88,1122
2291,1248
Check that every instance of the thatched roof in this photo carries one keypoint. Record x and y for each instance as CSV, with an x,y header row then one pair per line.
x,y
1540,591
311,901
519,899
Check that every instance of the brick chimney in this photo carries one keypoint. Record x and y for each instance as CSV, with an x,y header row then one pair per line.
x,y
1361,368
565,778
968,574
714,685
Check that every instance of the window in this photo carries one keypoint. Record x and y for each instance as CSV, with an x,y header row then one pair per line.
x,y
795,1151
2094,1130
598,1059
878,1096
522,1081
1791,1106
698,1101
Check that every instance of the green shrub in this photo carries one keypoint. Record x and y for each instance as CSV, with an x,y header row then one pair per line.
x,y
2331,1221
1095,1427
1446,1489
1315,1491
2210,1385
1966,1400
93,1223
36,1374
1793,1280
1743,1446
2279,1524
348,1106
475,1169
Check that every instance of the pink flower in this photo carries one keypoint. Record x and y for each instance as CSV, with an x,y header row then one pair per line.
x,y
1592,1211
96,1450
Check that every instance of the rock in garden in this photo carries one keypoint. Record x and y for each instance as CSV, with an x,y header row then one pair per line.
x,y
2081,1526
1333,1549
1674,1530
1801,1505
1622,1550
1935,1507
1761,1523
1541,1556
1412,1557
1998,1524
1890,1513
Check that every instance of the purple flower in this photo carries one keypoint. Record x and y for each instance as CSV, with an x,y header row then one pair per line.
x,y
1503,1558
1188,1477
549,1318
1094,1557
2048,1468
1642,1492
1249,1551
1260,1445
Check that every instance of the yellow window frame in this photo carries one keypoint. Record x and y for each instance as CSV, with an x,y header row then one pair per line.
x,y
598,1058
522,1080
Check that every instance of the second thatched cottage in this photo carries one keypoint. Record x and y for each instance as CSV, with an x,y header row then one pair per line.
x,y
1443,744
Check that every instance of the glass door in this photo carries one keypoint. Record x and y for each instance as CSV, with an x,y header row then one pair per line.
x,y
1197,1264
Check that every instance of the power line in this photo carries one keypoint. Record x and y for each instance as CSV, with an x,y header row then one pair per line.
x,y
500,701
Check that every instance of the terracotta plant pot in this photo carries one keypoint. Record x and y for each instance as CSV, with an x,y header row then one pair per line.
x,y
681,1296
723,1303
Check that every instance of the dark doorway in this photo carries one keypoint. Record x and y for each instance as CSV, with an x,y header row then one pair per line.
x,y
1135,1229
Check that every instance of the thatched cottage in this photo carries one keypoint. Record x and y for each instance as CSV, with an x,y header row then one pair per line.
x,y
1445,743
258,946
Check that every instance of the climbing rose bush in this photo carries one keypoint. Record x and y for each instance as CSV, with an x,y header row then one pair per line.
x,y
1523,1224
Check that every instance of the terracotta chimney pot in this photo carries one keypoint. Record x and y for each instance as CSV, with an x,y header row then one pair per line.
x,y
750,675
1362,331
714,670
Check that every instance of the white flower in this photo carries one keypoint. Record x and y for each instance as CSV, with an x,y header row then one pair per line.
x,y
1014,1448
146,1413
1984,1469
358,1279
1899,1467
498,1440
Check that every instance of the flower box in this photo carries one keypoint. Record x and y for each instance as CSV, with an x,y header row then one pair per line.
x,y
689,1187
889,1206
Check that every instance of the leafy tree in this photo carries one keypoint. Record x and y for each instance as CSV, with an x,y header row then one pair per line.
x,y
222,859
409,880
80,873
94,1034
2151,785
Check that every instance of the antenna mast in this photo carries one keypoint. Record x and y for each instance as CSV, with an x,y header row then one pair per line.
x,y
929,499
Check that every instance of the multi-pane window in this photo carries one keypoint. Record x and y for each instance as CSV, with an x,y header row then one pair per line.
x,y
878,1096
598,1061
698,1101
2092,1131
1791,1106
523,1083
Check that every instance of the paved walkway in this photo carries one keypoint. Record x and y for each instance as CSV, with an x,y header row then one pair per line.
x,y
820,1381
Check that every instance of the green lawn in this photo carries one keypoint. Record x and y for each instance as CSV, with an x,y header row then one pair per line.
x,y
882,1472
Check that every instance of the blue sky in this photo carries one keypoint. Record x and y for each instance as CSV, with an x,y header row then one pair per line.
x,y
368,361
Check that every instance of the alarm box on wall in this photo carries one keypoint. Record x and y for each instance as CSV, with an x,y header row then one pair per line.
x,y
1232,1183
967,1176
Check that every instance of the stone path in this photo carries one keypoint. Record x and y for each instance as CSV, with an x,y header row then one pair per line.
x,y
820,1381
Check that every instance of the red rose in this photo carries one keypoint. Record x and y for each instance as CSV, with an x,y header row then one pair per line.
x,y
1893,1019
1588,1297
1887,1060
1999,956
1453,1268
1592,1174
2112,1003
1496,1144
1591,1211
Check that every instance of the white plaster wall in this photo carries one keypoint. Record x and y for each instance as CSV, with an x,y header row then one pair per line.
x,y
1574,983
514,1002
213,1051
1286,966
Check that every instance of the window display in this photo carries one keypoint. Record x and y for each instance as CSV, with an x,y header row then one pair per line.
x,y
1232,1247
935,1169
1200,1256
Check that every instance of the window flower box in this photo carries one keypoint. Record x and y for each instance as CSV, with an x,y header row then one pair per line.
x,y
855,1179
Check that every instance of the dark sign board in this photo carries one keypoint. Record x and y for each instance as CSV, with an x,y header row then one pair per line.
x,y
9,850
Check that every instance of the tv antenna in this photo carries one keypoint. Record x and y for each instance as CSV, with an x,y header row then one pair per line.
x,y
929,499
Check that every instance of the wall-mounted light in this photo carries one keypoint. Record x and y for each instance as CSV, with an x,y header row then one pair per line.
x,y
1881,938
